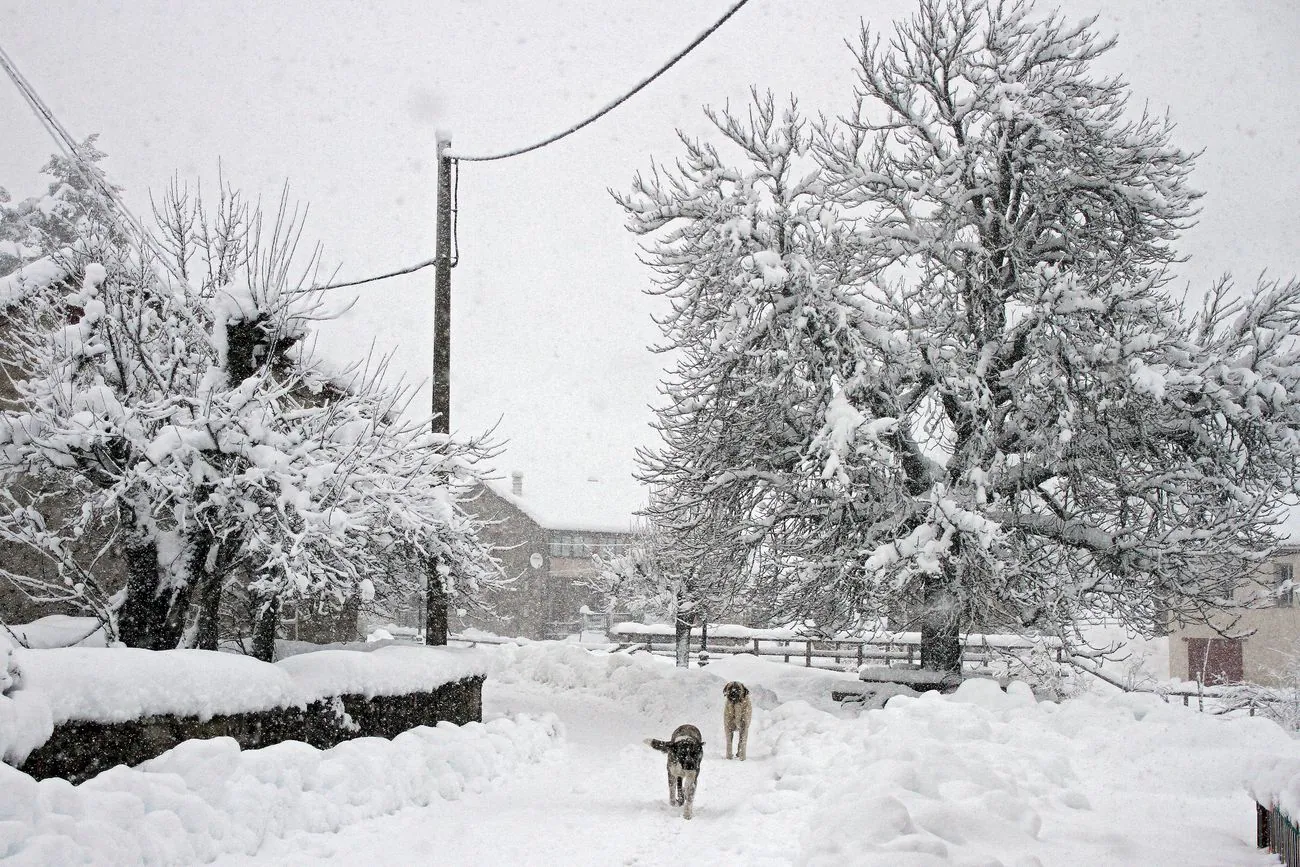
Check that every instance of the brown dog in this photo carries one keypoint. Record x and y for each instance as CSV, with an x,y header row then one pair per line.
x,y
736,714
685,751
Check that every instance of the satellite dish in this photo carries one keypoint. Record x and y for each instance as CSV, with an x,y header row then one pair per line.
x,y
536,560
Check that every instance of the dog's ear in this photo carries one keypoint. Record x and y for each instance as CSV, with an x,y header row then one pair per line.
x,y
656,744
744,692
725,687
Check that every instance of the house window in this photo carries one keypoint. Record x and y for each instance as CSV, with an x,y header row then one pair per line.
x,y
1285,590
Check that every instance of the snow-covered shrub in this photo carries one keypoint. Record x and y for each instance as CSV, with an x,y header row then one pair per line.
x,y
173,401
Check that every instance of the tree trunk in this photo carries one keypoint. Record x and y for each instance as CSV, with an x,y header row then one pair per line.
x,y
138,618
941,623
265,629
682,637
209,591
435,607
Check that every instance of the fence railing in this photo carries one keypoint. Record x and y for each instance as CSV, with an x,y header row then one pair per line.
x,y
977,652
1276,832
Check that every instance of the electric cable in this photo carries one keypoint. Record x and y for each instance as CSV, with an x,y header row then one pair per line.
x,y
95,182
616,103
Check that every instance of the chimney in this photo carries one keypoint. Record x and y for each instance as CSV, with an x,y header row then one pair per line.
x,y
517,483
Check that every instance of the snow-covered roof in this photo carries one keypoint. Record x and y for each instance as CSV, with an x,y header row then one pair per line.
x,y
559,506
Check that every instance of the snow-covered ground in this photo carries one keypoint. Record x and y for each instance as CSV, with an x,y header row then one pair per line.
x,y
981,777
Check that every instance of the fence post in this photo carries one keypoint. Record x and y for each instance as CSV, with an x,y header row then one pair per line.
x,y
860,646
756,653
807,654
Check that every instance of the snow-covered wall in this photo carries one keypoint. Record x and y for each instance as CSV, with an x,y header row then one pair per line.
x,y
132,704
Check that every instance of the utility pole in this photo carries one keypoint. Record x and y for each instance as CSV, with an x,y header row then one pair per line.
x,y
435,600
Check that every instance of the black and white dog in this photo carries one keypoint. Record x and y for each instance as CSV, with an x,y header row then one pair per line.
x,y
685,751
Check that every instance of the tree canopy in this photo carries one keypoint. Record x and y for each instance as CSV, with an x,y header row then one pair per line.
x,y
927,363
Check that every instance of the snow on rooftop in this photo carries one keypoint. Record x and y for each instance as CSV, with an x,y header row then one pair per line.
x,y
576,504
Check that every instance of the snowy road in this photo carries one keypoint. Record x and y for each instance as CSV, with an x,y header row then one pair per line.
x,y
601,799
1085,784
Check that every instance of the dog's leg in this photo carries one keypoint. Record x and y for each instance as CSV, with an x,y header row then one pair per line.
x,y
743,737
672,790
728,731
688,795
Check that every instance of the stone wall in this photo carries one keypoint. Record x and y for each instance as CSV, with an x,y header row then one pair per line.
x,y
77,751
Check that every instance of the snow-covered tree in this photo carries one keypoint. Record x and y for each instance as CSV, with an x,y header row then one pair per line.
x,y
662,573
182,408
940,377
40,225
762,283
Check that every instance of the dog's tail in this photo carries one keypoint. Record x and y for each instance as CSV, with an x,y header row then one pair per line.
x,y
656,744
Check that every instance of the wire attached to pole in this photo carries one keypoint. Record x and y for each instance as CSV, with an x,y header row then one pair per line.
x,y
616,103
95,182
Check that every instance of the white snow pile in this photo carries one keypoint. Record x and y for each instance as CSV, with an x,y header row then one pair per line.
x,y
987,777
59,630
647,684
25,719
392,670
121,683
207,797
1276,783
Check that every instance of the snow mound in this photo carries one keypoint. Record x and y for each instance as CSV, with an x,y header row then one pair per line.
x,y
206,798
121,683
648,684
392,670
974,777
60,630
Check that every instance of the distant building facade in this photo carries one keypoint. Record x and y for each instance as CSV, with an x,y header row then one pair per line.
x,y
547,557
1273,617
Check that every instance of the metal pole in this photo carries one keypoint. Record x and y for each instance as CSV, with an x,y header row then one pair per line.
x,y
435,627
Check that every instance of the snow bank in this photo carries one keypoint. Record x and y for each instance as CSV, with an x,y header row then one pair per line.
x,y
648,684
391,670
975,777
1275,782
59,630
206,798
120,683
25,721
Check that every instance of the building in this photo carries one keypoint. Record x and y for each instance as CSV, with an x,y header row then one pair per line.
x,y
1272,618
546,554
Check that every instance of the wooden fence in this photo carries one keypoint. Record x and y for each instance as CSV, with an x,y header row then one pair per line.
x,y
977,652
1275,832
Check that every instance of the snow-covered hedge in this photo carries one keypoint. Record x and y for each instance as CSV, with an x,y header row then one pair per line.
x,y
111,685
207,798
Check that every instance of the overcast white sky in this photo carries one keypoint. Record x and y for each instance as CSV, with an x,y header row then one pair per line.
x,y
342,99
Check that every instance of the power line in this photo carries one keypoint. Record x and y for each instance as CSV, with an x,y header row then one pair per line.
x,y
616,103
72,150
455,160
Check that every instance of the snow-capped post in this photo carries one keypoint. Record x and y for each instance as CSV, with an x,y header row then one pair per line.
x,y
435,603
